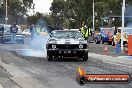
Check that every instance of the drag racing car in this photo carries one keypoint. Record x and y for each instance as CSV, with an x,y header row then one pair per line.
x,y
104,35
66,43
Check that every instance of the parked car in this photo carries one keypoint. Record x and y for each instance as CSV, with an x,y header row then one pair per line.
x,y
7,36
67,43
104,35
26,32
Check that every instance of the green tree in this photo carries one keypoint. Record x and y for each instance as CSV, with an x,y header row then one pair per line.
x,y
16,9
58,11
40,19
76,11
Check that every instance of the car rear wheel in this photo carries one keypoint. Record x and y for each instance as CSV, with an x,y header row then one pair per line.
x,y
49,58
85,58
109,43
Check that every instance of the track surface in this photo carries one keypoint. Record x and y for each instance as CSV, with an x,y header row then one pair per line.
x,y
37,72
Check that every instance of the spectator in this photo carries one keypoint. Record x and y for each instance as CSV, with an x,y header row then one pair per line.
x,y
32,31
14,30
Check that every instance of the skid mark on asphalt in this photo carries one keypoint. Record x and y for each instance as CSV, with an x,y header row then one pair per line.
x,y
73,64
67,69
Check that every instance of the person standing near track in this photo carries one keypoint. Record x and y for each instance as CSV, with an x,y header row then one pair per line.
x,y
13,31
86,32
32,31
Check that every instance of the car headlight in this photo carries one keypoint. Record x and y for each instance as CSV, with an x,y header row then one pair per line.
x,y
53,46
80,46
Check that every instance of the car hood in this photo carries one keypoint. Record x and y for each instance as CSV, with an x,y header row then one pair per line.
x,y
67,41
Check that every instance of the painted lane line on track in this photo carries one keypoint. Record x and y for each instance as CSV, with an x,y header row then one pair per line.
x,y
1,86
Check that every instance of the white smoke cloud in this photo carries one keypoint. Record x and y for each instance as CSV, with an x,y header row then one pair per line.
x,y
38,44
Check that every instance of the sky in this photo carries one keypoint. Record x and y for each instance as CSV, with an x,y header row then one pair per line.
x,y
42,6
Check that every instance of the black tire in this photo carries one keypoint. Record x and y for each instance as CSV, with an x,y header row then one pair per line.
x,y
85,58
109,43
49,57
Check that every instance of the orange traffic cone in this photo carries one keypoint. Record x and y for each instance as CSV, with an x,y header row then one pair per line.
x,y
105,50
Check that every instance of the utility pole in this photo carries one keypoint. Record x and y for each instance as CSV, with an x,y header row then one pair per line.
x,y
123,11
93,14
109,22
6,18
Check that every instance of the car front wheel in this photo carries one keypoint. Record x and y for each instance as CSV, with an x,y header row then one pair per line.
x,y
85,58
49,57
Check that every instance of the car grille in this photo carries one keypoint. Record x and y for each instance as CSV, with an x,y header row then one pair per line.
x,y
62,46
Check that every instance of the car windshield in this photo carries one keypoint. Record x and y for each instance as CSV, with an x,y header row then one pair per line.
x,y
66,34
